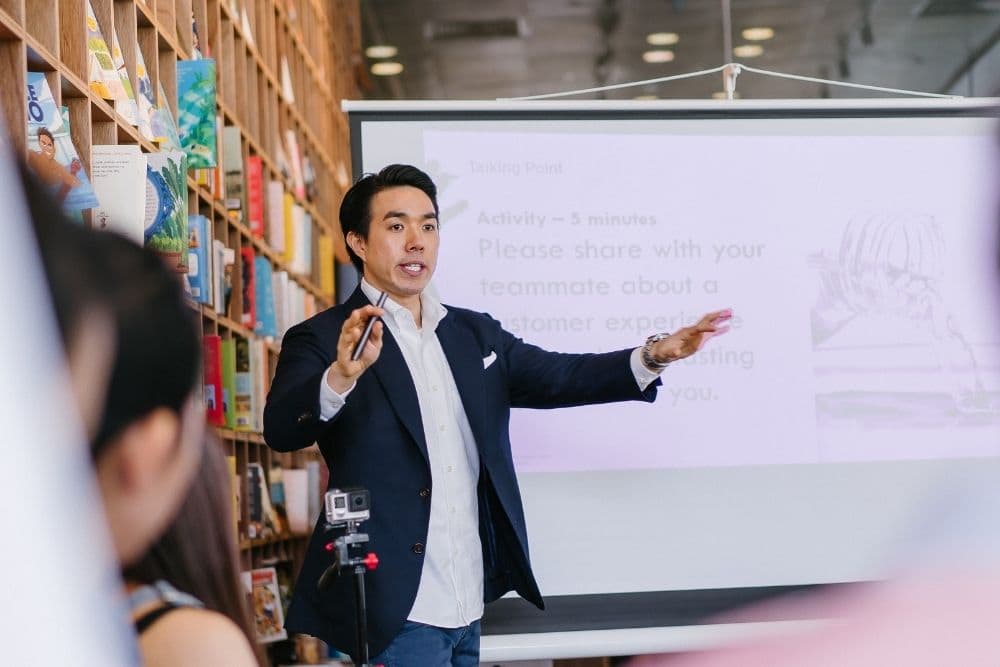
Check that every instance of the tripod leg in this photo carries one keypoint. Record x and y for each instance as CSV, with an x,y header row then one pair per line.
x,y
361,612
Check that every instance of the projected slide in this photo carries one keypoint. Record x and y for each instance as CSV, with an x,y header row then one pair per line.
x,y
859,267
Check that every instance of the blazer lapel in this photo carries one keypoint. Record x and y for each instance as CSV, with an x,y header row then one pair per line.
x,y
463,354
394,376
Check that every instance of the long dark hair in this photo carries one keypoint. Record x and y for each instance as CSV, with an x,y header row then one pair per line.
x,y
198,552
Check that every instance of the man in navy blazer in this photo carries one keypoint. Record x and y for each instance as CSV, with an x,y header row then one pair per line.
x,y
421,421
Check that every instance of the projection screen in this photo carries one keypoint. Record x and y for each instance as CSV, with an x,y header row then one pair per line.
x,y
855,243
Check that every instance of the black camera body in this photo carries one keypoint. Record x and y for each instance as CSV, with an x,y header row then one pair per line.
x,y
350,504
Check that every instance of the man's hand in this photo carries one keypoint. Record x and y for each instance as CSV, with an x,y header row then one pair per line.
x,y
344,372
688,340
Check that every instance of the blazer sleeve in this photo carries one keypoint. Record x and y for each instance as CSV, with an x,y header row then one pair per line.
x,y
538,378
291,414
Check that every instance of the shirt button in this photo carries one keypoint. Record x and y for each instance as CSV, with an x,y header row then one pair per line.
x,y
418,548
435,387
442,427
423,493
451,468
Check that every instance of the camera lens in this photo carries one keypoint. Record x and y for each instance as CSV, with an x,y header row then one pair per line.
x,y
359,501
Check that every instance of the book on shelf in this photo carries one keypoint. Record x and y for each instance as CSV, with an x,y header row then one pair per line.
x,y
118,173
223,261
309,178
245,25
164,125
288,221
234,482
144,96
196,95
295,162
296,499
263,519
326,264
52,157
166,216
212,379
229,381
265,324
199,259
232,163
287,91
244,386
276,477
102,74
255,195
276,216
125,105
261,374
248,317
264,594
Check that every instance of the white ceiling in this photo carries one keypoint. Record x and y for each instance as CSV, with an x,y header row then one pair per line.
x,y
930,45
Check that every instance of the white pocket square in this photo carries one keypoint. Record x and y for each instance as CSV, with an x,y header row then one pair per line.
x,y
488,360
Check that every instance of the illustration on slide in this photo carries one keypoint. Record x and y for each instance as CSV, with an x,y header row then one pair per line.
x,y
889,350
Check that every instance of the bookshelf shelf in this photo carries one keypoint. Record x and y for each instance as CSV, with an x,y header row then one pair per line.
x,y
263,50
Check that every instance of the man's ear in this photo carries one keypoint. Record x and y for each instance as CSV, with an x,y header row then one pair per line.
x,y
357,243
145,449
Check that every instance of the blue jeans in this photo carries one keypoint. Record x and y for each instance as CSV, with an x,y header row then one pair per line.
x,y
419,645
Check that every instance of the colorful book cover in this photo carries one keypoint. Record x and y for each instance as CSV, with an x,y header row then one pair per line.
x,y
125,105
229,381
326,264
234,480
295,160
266,325
255,195
243,399
289,218
145,101
164,127
265,604
119,175
196,92
249,293
51,153
212,357
103,75
276,216
166,217
223,261
232,163
199,273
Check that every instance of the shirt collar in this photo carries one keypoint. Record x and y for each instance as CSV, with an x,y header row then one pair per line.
x,y
432,311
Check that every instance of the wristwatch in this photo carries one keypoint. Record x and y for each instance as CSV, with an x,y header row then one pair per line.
x,y
648,360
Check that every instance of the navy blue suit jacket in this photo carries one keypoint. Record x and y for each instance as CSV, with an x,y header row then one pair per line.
x,y
377,441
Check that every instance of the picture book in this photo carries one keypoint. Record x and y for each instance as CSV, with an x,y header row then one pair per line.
x,y
144,98
196,92
199,259
265,325
101,71
126,104
212,379
166,219
51,154
255,195
119,178
264,594
164,127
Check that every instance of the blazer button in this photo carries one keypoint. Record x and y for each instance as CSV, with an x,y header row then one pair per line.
x,y
424,492
418,548
305,416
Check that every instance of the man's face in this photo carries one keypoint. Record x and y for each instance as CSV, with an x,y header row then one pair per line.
x,y
46,145
400,253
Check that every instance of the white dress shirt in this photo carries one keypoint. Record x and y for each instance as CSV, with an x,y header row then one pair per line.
x,y
450,594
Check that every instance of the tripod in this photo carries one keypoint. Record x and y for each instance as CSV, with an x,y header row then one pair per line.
x,y
358,564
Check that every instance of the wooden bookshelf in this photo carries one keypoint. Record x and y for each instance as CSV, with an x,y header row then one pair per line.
x,y
257,45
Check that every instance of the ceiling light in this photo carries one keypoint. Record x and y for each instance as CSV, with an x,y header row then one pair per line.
x,y
758,34
387,68
721,95
748,50
663,38
645,97
658,56
381,51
